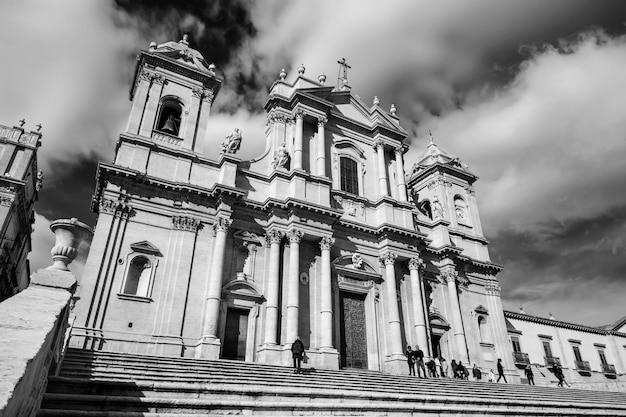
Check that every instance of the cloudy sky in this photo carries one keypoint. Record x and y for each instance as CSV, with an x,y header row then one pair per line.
x,y
530,94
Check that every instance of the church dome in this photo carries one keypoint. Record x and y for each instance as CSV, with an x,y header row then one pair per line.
x,y
182,53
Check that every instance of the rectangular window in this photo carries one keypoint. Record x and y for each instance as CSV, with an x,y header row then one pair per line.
x,y
349,173
602,357
516,346
547,349
577,355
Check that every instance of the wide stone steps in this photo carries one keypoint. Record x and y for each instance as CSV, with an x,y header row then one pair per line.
x,y
112,384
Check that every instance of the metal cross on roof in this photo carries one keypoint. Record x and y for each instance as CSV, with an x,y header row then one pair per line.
x,y
342,79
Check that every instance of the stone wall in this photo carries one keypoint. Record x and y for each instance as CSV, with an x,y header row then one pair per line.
x,y
32,332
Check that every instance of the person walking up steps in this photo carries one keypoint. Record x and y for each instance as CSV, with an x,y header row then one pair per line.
x,y
529,375
297,350
501,371
419,356
410,359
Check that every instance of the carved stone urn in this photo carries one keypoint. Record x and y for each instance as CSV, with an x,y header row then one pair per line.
x,y
69,233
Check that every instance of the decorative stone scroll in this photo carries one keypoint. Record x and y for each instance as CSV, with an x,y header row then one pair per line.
x,y
187,223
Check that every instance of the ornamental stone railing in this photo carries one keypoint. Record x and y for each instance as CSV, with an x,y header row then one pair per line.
x,y
521,358
34,324
583,366
552,360
166,137
608,369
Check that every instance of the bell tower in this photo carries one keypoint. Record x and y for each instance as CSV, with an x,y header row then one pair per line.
x,y
172,93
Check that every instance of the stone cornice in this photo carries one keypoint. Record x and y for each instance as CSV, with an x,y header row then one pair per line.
x,y
560,324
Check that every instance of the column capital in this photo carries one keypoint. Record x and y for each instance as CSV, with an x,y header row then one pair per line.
x,y
145,75
388,258
208,95
379,144
295,236
321,121
448,274
197,92
222,224
273,236
398,150
417,264
299,114
158,79
327,242
492,288
185,223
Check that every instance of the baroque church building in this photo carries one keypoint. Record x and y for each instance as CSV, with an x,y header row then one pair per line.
x,y
326,236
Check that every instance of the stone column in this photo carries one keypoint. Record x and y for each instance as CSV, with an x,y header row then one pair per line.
x,y
293,289
416,266
326,310
139,102
297,150
152,106
450,276
274,238
382,169
214,292
400,174
321,147
394,336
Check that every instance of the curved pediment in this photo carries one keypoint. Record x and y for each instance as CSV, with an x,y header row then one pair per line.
x,y
243,289
354,262
437,320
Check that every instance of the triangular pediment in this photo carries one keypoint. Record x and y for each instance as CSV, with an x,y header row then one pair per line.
x,y
145,247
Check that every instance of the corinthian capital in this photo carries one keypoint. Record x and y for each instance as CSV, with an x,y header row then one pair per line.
x,y
273,236
388,258
222,224
321,121
416,263
448,274
299,114
295,236
327,242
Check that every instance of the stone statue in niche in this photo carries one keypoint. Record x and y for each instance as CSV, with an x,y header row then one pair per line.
x,y
281,156
437,209
459,213
232,143
357,261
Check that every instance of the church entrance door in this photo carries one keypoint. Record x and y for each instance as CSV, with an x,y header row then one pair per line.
x,y
353,335
235,335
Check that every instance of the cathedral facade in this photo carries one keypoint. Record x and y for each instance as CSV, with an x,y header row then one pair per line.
x,y
326,236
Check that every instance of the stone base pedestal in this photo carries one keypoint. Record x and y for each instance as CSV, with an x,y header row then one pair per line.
x,y
208,348
270,354
325,358
395,364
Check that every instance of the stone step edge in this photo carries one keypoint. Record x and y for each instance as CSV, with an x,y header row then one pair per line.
x,y
298,405
491,388
332,393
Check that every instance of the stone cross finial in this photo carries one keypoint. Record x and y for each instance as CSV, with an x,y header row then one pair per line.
x,y
38,126
22,122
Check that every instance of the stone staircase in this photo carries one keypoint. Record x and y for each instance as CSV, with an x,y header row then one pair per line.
x,y
99,384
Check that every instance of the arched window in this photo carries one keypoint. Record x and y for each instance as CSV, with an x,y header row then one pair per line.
x,y
424,208
138,277
483,329
460,209
349,172
170,113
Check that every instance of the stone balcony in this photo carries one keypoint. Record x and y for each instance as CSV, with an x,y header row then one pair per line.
x,y
166,138
609,370
583,367
551,360
521,359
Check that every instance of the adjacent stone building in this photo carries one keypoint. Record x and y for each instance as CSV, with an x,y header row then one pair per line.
x,y
322,236
20,182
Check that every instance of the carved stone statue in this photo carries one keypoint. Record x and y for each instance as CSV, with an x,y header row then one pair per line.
x,y
232,143
437,210
281,157
357,261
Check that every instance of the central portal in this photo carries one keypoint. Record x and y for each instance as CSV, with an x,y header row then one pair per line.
x,y
235,335
353,335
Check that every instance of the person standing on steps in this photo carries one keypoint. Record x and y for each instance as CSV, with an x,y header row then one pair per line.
x,y
419,356
476,373
297,351
454,367
491,377
444,366
438,368
410,359
529,375
501,371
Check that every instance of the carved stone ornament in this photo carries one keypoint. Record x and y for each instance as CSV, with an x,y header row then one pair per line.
x,y
327,242
492,289
322,121
449,275
232,142
357,261
221,224
273,236
416,263
438,212
39,181
295,236
281,157
185,223
6,201
388,258
118,208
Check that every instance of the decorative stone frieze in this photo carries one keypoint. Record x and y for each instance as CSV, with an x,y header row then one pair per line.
x,y
416,263
187,223
327,242
448,274
492,288
388,258
6,201
295,236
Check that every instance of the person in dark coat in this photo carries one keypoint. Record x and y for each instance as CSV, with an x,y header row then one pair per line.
x,y
476,373
529,375
410,359
419,360
454,368
461,371
297,351
501,371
